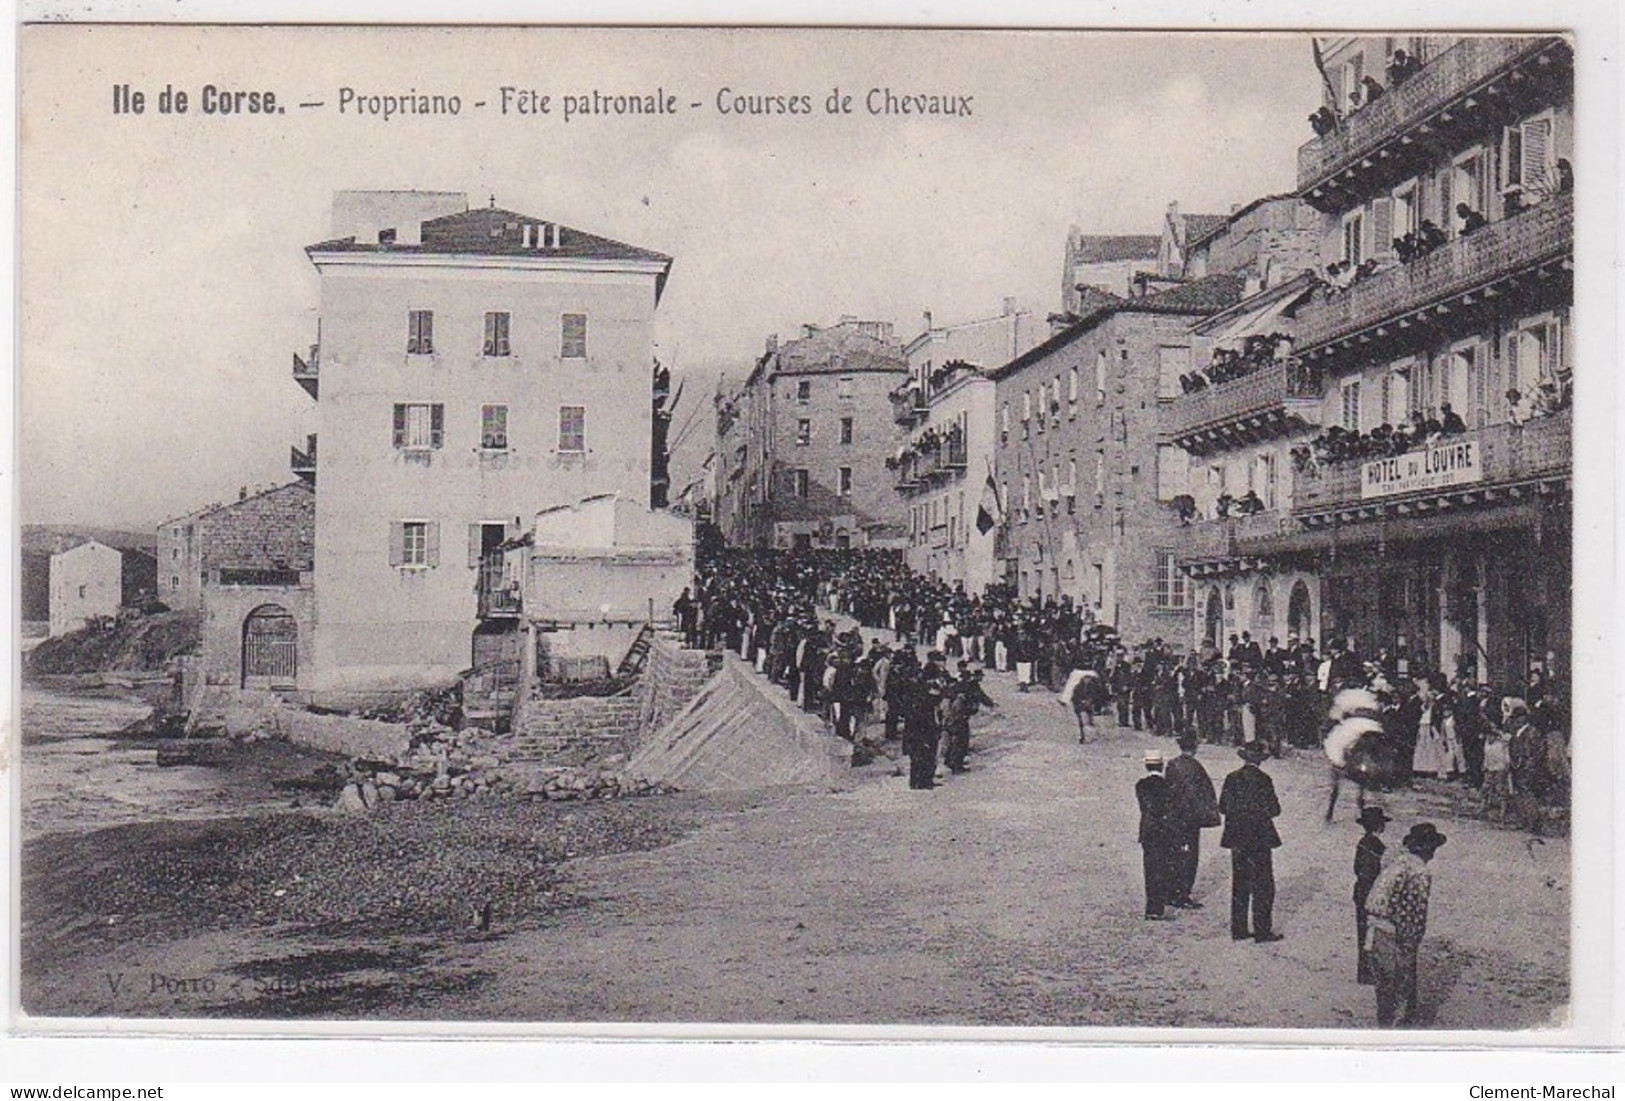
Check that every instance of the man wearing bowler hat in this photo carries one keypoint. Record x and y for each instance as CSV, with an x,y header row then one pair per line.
x,y
1397,914
1193,808
1249,806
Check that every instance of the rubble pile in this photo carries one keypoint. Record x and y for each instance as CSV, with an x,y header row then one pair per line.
x,y
565,782
475,763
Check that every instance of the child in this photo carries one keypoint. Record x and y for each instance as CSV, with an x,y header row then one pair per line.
x,y
1367,866
1497,775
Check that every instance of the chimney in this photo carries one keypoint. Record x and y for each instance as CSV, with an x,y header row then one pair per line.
x,y
927,320
773,344
1009,306
807,331
1250,286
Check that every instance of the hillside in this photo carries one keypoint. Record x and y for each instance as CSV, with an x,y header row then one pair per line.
x,y
143,644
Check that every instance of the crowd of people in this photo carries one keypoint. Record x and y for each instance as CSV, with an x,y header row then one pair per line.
x,y
1382,721
1257,351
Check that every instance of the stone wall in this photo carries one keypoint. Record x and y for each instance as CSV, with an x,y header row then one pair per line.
x,y
590,727
570,731
672,676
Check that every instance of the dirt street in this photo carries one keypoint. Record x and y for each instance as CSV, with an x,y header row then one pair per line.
x,y
1010,895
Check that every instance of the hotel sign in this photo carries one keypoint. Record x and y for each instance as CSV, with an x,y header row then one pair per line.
x,y
1455,463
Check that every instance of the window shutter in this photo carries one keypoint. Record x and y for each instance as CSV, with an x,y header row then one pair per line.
x,y
1447,209
1382,227
432,534
1537,149
397,542
475,538
437,425
400,426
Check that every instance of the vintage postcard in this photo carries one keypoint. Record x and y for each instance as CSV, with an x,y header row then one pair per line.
x,y
851,529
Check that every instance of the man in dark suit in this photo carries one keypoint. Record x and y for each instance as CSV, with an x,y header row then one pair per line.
x,y
1192,808
1157,838
1249,807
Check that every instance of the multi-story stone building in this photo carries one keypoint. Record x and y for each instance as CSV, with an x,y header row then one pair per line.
x,y
180,560
255,558
944,463
475,366
1236,418
1104,263
1447,194
803,444
1081,469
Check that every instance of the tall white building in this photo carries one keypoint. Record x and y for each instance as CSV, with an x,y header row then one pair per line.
x,y
475,366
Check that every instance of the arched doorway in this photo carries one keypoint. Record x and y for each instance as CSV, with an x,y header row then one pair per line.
x,y
270,648
1263,609
1299,619
1213,620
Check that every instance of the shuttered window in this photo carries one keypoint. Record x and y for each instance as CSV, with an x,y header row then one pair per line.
x,y
419,426
496,334
493,427
573,336
414,544
420,332
572,429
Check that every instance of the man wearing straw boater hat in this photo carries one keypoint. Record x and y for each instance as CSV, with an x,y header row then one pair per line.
x,y
1157,837
1397,916
1249,806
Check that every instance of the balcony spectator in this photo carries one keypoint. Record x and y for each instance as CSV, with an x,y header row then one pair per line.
x,y
1324,122
1549,398
1405,248
1471,220
1565,176
1222,506
1517,409
1429,237
1250,504
1450,421
1185,506
1373,90
1401,67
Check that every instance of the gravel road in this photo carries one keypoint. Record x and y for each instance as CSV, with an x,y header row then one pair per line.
x,y
1008,896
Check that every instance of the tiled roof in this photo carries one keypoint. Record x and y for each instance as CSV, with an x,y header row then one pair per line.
x,y
1103,250
1203,296
492,231
1197,299
1198,226
1196,237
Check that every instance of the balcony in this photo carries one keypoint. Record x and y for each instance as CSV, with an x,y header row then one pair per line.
x,y
306,372
1229,544
303,463
498,593
1474,84
909,405
1534,247
1514,462
1277,399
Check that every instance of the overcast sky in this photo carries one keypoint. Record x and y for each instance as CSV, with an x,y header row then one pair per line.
x,y
165,283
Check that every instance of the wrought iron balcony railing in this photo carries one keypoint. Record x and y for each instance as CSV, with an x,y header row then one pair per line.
x,y
1542,234
1454,77
1275,398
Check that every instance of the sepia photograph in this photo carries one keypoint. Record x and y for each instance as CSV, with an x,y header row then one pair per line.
x,y
864,528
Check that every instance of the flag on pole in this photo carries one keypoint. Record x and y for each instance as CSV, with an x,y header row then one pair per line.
x,y
1326,81
988,513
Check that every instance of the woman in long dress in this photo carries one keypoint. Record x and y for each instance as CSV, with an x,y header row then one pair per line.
x,y
1438,750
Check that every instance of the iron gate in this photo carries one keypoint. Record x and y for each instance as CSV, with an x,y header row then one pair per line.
x,y
270,648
